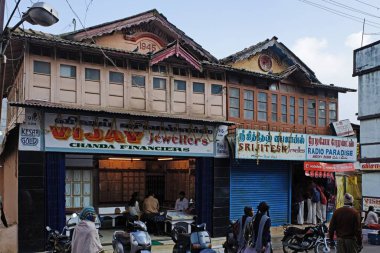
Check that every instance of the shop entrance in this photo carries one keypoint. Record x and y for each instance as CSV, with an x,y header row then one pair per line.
x,y
302,186
155,182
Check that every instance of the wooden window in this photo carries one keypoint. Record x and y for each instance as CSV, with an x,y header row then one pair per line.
x,y
41,67
234,102
332,112
159,83
138,65
216,89
92,74
262,114
159,69
292,110
138,81
248,105
274,108
42,51
322,113
68,55
78,188
179,71
198,87
179,85
68,71
311,112
116,77
284,109
301,114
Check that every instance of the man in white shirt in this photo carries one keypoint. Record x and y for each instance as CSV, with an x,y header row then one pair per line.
x,y
182,203
372,220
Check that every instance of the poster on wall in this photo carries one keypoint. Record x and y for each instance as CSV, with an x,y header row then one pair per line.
x,y
30,135
74,133
255,144
221,145
370,166
371,201
330,148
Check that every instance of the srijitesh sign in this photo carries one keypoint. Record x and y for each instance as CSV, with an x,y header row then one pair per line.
x,y
255,144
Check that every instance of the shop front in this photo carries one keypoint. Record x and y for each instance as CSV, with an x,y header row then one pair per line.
x,y
275,166
100,160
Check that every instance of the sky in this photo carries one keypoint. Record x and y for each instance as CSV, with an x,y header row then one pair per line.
x,y
317,31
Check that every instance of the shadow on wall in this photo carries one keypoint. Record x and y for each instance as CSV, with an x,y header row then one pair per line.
x,y
8,239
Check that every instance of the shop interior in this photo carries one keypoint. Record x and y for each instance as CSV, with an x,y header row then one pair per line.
x,y
108,181
303,183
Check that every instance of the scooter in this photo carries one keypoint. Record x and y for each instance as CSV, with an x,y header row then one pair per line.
x,y
231,243
61,242
135,240
198,241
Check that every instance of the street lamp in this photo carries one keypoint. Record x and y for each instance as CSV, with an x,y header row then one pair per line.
x,y
39,14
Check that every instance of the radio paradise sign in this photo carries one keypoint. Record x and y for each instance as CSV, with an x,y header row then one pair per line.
x,y
331,148
255,144
74,133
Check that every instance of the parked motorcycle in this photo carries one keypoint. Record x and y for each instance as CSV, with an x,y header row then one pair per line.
x,y
303,240
231,243
61,242
198,241
135,240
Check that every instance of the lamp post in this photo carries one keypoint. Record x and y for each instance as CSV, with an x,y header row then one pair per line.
x,y
39,14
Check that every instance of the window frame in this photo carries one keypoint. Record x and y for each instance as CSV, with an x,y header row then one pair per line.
x,y
301,109
175,85
315,112
253,104
274,106
41,73
284,105
336,110
67,65
238,102
262,102
220,93
91,80
115,72
320,113
138,86
292,110
198,92
160,78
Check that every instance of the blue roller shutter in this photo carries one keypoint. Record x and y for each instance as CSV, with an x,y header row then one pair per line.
x,y
269,181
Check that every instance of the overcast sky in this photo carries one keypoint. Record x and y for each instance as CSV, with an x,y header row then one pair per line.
x,y
319,36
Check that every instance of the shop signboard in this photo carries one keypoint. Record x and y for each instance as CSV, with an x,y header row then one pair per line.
x,y
221,145
255,144
74,133
330,148
371,201
370,166
323,170
30,135
343,128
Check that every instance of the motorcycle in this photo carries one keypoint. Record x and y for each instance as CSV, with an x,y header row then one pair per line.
x,y
198,241
231,243
303,240
135,240
61,242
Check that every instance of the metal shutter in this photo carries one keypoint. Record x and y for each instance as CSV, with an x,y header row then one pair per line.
x,y
269,181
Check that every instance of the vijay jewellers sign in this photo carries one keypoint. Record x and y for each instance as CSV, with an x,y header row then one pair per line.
x,y
253,144
73,133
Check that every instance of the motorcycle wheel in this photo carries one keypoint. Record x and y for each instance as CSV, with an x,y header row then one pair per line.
x,y
285,245
322,248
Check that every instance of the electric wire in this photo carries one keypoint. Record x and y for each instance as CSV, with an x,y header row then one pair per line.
x,y
342,14
373,6
335,3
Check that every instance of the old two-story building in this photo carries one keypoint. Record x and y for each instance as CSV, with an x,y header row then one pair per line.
x,y
283,141
136,105
133,105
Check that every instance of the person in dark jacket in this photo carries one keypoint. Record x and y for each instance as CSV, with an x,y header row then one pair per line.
x,y
346,223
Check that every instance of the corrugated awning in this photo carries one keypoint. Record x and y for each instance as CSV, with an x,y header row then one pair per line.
x,y
56,107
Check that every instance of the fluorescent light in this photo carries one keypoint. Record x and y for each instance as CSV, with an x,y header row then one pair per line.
x,y
165,159
124,159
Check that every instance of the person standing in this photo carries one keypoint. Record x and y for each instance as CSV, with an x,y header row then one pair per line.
x,y
243,223
85,236
323,203
346,223
308,194
315,203
3,219
182,203
300,204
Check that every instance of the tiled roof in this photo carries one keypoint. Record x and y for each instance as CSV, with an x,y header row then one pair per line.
x,y
106,111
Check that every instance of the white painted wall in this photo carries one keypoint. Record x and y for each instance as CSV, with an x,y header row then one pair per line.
x,y
371,186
